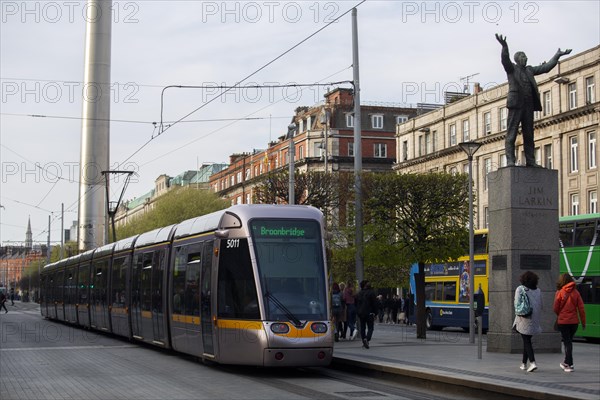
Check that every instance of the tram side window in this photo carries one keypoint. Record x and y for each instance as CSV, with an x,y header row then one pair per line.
x,y
179,279
100,269
584,233
146,278
59,285
82,287
237,297
119,272
192,284
70,287
566,234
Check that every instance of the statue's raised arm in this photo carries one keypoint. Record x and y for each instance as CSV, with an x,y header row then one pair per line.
x,y
523,99
502,40
561,53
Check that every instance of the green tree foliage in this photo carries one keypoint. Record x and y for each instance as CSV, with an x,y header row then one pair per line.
x,y
425,217
315,188
173,207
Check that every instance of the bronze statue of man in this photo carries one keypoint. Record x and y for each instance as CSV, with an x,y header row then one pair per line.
x,y
523,99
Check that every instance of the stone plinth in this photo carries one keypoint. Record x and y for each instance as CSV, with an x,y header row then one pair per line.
x,y
523,236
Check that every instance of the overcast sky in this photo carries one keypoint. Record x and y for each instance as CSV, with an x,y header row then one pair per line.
x,y
410,52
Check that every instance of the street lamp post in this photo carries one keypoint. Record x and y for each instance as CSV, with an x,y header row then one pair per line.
x,y
470,148
291,156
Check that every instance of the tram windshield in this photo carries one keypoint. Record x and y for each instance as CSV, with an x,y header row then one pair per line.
x,y
290,264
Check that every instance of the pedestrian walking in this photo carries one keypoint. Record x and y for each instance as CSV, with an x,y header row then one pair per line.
x,y
344,313
350,301
367,307
3,302
528,325
337,307
568,306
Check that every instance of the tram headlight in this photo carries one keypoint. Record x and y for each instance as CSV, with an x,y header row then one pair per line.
x,y
280,328
318,327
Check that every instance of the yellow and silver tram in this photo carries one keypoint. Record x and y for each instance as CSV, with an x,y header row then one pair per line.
x,y
246,285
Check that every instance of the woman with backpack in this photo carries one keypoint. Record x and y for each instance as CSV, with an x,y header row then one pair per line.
x,y
568,307
527,320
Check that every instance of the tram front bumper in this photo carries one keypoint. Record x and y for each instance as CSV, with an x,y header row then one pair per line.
x,y
298,357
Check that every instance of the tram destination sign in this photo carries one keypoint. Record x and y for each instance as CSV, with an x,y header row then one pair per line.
x,y
277,229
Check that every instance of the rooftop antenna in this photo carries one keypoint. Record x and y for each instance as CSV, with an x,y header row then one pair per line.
x,y
466,82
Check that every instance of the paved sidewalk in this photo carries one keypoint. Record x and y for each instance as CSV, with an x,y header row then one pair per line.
x,y
448,357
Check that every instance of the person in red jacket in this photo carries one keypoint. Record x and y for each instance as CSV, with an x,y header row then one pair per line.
x,y
568,306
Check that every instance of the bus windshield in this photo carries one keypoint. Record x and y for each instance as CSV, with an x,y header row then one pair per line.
x,y
289,257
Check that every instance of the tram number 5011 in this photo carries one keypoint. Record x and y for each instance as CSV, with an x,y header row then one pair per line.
x,y
233,243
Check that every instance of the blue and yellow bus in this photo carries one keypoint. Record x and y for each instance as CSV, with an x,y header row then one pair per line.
x,y
580,257
447,289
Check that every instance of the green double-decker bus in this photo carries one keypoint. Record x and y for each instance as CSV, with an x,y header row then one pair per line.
x,y
580,257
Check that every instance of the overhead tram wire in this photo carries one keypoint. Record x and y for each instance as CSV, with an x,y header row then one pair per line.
x,y
230,124
249,75
132,121
180,120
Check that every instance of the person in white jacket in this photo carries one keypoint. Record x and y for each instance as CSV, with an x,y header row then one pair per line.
x,y
530,325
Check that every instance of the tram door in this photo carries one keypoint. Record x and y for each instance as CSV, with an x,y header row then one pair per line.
x,y
98,293
147,314
205,302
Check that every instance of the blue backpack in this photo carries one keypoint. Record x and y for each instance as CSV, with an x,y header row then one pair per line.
x,y
522,306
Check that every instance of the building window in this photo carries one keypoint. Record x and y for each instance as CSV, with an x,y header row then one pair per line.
x,y
593,202
405,150
377,121
572,95
503,161
308,123
421,146
232,180
487,166
548,156
434,140
248,176
301,126
575,204
465,125
428,143
574,154
453,171
400,119
349,120
301,152
453,135
319,149
248,198
380,150
590,93
592,150
351,149
503,118
486,217
487,123
547,103
538,155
